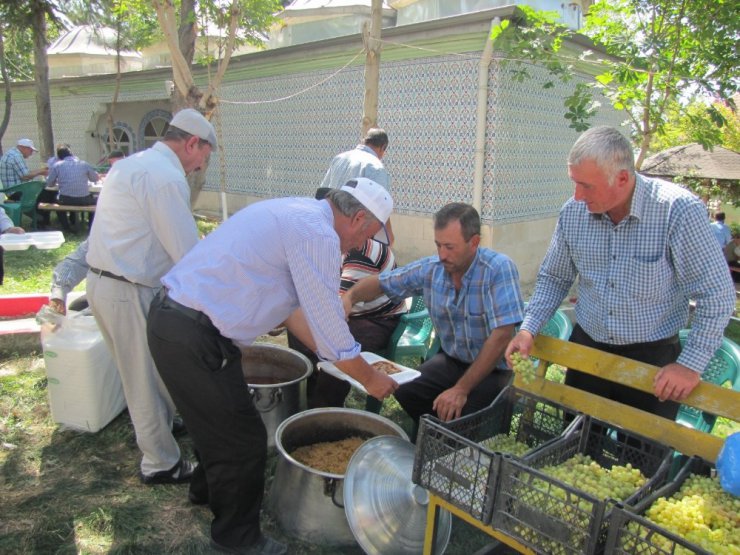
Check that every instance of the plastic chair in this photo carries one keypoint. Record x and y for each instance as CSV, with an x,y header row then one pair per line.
x,y
30,191
724,367
413,334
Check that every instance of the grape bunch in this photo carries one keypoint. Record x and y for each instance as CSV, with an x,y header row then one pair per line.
x,y
701,512
505,443
524,366
580,471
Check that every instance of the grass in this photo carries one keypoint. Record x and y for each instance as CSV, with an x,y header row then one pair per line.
x,y
68,492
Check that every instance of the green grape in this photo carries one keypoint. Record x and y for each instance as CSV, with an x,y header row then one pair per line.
x,y
505,443
702,513
523,366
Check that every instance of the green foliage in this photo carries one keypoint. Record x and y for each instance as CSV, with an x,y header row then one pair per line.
x,y
658,51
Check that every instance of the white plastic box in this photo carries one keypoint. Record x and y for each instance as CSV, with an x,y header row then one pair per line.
x,y
85,391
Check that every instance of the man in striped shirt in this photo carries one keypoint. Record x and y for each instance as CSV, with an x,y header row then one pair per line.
x,y
474,301
641,249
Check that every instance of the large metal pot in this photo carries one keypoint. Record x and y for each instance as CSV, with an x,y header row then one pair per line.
x,y
276,377
308,503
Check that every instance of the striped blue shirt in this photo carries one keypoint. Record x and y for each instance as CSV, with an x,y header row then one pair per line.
x,y
489,298
263,263
72,176
635,278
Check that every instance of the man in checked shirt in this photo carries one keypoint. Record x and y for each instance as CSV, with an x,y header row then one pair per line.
x,y
640,248
474,301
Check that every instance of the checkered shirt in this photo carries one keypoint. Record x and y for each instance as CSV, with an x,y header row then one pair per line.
x,y
635,279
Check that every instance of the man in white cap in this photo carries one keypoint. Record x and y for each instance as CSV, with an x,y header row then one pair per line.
x,y
143,226
13,168
241,281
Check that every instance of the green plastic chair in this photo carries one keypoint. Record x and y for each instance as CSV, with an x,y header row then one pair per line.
x,y
412,337
30,191
724,367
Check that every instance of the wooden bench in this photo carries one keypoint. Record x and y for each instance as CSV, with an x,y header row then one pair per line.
x,y
53,207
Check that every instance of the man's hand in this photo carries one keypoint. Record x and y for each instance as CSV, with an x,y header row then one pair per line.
x,y
57,305
449,404
380,385
522,343
16,230
675,382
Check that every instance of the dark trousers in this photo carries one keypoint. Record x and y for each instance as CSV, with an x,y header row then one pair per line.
x,y
43,216
203,373
2,264
440,373
658,353
324,390
75,201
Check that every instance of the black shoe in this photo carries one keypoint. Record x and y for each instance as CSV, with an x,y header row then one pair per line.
x,y
197,499
178,427
265,546
178,474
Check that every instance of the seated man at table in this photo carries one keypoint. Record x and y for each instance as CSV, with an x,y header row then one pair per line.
x,y
72,176
474,301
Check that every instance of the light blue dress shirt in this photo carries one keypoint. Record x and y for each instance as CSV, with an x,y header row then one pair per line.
x,y
263,263
488,299
635,278
358,162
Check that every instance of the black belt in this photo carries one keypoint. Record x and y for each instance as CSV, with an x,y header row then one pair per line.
x,y
111,275
196,315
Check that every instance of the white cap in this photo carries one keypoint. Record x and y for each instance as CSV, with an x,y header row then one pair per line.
x,y
27,143
193,122
375,198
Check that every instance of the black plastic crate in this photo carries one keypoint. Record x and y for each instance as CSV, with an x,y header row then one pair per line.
x,y
632,533
552,517
453,462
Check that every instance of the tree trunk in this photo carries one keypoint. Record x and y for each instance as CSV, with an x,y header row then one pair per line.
x,y
372,67
8,101
41,74
112,108
186,35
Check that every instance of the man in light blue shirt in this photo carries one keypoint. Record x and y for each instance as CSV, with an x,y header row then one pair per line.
x,y
365,160
473,298
241,281
721,231
641,249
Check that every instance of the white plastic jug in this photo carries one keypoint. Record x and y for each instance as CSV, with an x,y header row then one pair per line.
x,y
85,391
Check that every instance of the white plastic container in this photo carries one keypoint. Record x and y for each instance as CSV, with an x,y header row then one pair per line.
x,y
85,391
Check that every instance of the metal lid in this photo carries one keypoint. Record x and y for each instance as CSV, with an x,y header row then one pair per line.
x,y
385,510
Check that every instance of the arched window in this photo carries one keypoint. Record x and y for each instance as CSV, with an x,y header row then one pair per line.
x,y
123,138
152,127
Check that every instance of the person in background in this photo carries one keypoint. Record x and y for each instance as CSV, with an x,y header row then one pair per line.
x,y
143,226
371,323
472,294
640,249
13,168
222,296
721,231
365,160
6,226
72,176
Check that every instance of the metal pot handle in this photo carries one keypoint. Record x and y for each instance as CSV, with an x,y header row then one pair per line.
x,y
330,488
276,396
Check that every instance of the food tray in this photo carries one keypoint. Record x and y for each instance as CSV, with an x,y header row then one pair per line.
x,y
550,516
405,375
453,462
38,239
630,532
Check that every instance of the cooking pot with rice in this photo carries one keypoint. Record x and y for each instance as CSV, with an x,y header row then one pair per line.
x,y
308,503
